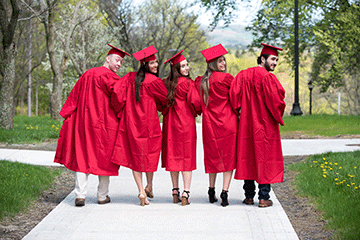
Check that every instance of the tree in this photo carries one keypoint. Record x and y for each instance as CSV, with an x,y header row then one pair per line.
x,y
336,64
8,25
164,24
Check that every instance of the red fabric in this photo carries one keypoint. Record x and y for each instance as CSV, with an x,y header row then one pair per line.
x,y
88,133
210,54
176,58
260,97
179,132
268,49
146,54
219,124
138,142
117,51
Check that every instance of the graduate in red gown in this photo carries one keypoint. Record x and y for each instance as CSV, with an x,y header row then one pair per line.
x,y
259,96
219,121
136,100
179,128
88,133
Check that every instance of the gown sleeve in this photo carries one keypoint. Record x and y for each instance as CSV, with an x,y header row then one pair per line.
x,y
71,102
235,92
159,93
193,99
118,94
274,95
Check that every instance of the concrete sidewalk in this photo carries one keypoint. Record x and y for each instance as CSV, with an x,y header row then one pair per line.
x,y
124,218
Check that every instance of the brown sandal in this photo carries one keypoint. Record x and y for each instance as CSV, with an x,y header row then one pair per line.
x,y
176,196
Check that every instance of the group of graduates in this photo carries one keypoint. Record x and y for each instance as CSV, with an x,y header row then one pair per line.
x,y
112,121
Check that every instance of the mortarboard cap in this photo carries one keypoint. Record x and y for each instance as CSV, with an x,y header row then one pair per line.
x,y
210,54
146,54
117,51
176,58
268,49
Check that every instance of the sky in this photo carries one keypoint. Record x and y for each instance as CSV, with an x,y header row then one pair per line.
x,y
246,12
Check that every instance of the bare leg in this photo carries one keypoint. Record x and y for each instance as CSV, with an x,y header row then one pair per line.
x,y
187,182
227,179
211,192
212,179
175,183
175,179
139,183
148,188
187,179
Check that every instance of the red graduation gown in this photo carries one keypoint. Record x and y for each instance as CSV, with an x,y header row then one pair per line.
x,y
179,132
138,142
219,125
88,133
260,96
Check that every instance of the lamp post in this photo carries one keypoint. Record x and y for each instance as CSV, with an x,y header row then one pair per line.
x,y
296,106
310,86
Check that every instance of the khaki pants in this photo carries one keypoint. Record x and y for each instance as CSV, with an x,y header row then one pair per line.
x,y
81,183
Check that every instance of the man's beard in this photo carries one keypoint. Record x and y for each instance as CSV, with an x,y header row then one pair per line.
x,y
267,66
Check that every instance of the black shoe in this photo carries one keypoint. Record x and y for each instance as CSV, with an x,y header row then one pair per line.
x,y
211,193
224,198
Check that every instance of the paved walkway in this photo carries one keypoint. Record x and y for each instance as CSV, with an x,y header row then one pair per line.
x,y
124,218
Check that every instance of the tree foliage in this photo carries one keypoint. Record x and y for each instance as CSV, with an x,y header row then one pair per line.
x,y
274,25
162,23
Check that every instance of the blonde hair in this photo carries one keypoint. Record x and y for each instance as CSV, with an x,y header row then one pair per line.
x,y
204,85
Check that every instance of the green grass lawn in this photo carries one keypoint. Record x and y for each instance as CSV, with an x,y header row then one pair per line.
x,y
323,125
332,182
30,130
21,184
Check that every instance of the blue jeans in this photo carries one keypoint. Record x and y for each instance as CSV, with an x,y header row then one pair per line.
x,y
249,187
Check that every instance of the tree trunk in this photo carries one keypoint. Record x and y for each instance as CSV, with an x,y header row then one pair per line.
x,y
55,96
7,88
37,99
29,69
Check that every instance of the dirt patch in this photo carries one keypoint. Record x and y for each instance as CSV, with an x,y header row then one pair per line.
x,y
18,226
307,222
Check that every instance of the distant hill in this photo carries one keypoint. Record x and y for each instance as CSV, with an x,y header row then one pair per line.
x,y
232,36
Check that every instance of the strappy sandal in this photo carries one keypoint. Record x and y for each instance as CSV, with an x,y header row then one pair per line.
x,y
211,193
185,200
176,197
149,192
224,198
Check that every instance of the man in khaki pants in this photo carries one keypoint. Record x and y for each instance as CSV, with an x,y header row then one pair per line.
x,y
88,133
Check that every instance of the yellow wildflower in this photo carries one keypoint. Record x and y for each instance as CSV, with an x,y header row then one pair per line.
x,y
340,167
336,179
324,175
324,159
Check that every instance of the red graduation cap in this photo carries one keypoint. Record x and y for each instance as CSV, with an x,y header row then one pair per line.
x,y
146,54
117,51
210,54
176,58
268,49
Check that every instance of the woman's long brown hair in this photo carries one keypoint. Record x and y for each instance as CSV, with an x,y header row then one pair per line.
x,y
171,83
140,77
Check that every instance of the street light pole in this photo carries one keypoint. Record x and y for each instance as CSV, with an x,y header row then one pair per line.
x,y
296,106
310,88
